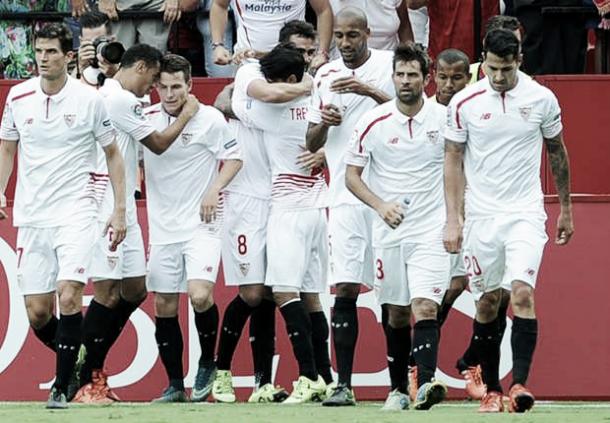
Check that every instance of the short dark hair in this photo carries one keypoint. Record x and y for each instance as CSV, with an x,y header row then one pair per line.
x,y
281,62
56,31
412,52
501,42
453,55
94,19
148,54
502,22
173,63
299,28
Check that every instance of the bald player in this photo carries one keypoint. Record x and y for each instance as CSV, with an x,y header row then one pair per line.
x,y
344,90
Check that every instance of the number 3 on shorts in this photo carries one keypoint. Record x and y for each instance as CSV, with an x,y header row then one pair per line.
x,y
242,247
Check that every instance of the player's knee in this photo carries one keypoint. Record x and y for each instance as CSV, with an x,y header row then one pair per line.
x,y
70,296
252,296
522,297
133,290
201,299
424,309
108,298
38,314
487,306
457,286
347,290
398,316
166,305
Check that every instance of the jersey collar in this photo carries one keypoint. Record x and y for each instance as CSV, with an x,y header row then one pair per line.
x,y
419,117
55,98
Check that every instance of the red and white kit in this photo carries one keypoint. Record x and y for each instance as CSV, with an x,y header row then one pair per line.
x,y
350,221
182,247
504,235
55,202
405,159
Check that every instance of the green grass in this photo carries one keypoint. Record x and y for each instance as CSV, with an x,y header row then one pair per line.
x,y
363,413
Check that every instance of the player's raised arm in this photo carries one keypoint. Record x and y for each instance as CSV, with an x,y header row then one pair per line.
x,y
7,157
158,142
279,92
324,25
223,102
219,12
560,167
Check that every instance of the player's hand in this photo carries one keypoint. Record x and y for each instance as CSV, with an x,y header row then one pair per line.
x,y
86,54
171,11
318,60
331,115
117,227
565,227
208,207
221,56
452,237
349,85
242,55
391,213
3,212
109,8
191,107
309,161
79,7
107,68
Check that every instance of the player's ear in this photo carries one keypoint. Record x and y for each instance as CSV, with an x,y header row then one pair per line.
x,y
190,84
427,80
292,79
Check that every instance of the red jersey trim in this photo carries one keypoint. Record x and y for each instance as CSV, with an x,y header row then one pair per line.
x,y
369,127
461,103
20,96
243,22
324,75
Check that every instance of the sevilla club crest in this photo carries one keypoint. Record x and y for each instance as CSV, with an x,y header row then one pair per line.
x,y
70,119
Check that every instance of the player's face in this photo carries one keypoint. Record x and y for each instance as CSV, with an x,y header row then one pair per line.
x,y
449,80
173,91
147,76
409,82
90,34
501,71
305,46
351,40
51,61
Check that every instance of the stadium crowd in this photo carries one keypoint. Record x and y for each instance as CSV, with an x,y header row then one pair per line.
x,y
337,169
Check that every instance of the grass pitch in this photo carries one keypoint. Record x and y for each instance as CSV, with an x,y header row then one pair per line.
x,y
365,412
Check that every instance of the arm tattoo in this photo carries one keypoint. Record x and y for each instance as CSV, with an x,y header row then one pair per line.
x,y
558,159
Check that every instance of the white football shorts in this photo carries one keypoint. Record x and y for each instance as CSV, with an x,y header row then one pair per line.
x,y
500,250
128,261
297,246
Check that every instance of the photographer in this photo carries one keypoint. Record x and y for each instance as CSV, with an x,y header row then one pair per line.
x,y
99,54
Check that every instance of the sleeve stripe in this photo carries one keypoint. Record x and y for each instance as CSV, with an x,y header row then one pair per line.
x,y
461,103
369,127
22,95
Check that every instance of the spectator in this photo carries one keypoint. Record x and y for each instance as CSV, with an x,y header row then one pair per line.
x,y
388,20
452,23
420,25
258,24
93,25
203,24
151,31
554,43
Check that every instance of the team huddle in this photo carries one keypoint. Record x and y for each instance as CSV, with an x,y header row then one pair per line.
x,y
425,197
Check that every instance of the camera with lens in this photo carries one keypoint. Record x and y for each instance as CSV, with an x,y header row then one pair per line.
x,y
111,51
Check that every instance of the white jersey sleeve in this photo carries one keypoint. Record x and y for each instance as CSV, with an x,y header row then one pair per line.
x,y
551,123
103,131
8,129
127,115
224,145
456,128
357,153
314,114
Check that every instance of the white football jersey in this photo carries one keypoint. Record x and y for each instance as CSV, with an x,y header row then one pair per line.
x,y
127,116
284,128
58,137
504,134
254,178
405,158
177,180
259,21
377,71
382,18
